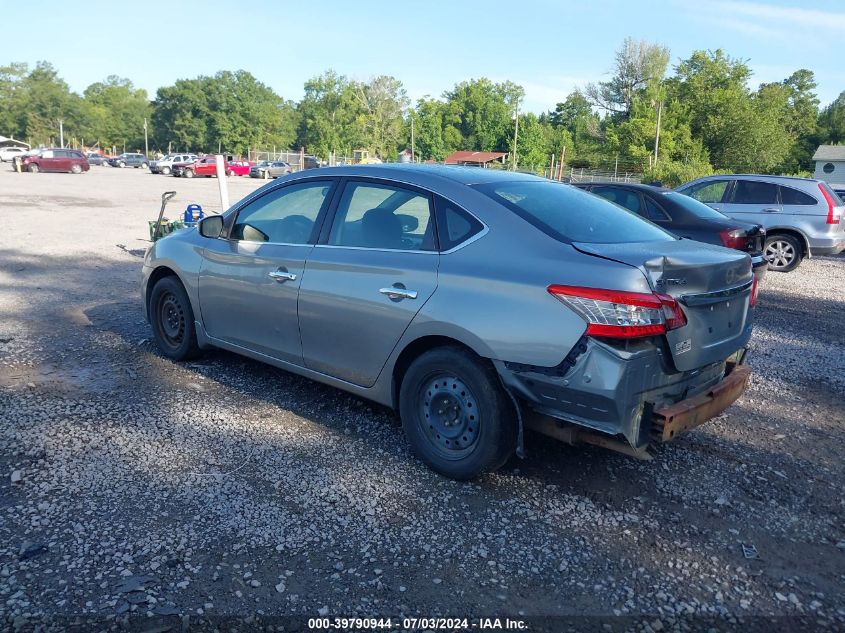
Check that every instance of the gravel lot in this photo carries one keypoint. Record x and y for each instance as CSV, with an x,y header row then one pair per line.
x,y
139,492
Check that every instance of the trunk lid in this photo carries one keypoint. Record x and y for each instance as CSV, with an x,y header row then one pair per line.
x,y
712,284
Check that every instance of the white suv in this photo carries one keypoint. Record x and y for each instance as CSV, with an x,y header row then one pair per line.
x,y
165,165
9,153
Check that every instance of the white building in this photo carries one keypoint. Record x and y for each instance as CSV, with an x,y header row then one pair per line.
x,y
11,142
830,164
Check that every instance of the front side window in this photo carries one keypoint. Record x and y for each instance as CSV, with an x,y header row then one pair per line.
x,y
754,192
383,216
283,216
710,191
569,214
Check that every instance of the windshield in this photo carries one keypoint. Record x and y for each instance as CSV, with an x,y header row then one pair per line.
x,y
699,209
569,214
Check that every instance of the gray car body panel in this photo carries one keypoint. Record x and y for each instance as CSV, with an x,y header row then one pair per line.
x,y
488,293
807,221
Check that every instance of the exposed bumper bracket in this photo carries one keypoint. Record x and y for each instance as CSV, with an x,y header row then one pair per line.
x,y
672,420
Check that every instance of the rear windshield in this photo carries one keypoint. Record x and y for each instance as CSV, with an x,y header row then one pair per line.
x,y
569,214
699,209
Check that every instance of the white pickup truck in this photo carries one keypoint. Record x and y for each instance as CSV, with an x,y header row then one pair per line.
x,y
165,165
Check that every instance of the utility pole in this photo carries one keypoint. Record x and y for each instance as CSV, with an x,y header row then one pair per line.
x,y
146,140
657,134
515,132
61,133
413,151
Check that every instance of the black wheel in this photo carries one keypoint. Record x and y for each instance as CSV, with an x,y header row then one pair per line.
x,y
783,252
173,320
455,413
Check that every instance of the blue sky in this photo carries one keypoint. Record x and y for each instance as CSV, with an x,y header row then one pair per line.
x,y
548,47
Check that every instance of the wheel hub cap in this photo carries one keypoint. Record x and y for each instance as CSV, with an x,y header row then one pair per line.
x,y
780,253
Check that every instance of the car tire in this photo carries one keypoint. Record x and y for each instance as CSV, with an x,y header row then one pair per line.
x,y
783,252
143,166
121,164
165,171
76,169
455,413
172,320
230,173
188,173
33,168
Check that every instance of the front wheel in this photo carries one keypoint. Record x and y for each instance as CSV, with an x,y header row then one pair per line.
x,y
455,413
188,173
76,169
783,252
173,320
33,168
121,164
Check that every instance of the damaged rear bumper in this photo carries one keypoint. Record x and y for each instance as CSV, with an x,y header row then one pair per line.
x,y
633,393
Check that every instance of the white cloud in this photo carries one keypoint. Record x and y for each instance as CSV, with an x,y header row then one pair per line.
x,y
785,17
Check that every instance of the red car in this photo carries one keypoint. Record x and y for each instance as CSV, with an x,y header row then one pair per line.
x,y
208,167
69,160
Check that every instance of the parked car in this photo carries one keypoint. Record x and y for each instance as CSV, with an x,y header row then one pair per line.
x,y
69,160
238,168
802,217
687,218
840,192
270,169
130,160
95,158
206,166
165,165
526,302
9,153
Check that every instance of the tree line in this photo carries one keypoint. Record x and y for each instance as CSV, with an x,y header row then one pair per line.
x,y
699,117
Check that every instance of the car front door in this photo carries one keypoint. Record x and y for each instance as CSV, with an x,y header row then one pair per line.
x,y
250,279
373,269
50,160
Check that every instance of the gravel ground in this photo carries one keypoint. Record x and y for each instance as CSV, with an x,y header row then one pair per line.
x,y
137,492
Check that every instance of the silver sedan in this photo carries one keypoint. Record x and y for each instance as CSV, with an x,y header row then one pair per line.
x,y
474,302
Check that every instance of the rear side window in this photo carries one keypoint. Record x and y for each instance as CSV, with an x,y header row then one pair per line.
x,y
455,225
788,195
654,212
623,197
754,192
571,215
372,215
710,191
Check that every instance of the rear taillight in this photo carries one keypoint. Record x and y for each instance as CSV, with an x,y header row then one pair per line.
x,y
833,216
734,238
754,287
619,314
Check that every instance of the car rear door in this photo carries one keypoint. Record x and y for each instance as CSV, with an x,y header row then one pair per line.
x,y
374,268
249,280
753,201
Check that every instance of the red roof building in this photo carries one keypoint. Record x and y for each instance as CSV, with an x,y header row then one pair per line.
x,y
477,159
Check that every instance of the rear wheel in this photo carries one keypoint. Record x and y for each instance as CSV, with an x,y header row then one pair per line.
x,y
76,169
783,252
33,168
173,320
144,165
455,413
165,171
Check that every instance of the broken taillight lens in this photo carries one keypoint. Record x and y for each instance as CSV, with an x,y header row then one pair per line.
x,y
621,314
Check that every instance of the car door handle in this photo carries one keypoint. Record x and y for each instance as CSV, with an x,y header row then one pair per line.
x,y
398,293
281,276
770,210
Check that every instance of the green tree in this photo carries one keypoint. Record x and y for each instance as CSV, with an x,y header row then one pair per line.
x,y
328,115
637,65
381,102
114,112
831,122
428,128
482,111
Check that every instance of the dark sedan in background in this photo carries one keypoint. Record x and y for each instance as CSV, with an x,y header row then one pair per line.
x,y
686,217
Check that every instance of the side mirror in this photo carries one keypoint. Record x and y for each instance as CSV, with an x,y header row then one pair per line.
x,y
212,226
